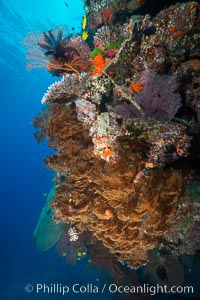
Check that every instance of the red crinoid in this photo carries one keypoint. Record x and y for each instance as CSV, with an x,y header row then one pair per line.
x,y
70,64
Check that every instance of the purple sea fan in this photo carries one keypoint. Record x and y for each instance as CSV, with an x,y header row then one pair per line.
x,y
158,97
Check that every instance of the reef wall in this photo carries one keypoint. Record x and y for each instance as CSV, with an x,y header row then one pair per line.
x,y
123,119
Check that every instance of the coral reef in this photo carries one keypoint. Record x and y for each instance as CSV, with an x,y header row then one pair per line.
x,y
69,88
184,233
111,204
161,143
121,119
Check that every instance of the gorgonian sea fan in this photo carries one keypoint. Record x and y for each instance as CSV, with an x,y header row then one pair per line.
x,y
57,52
158,99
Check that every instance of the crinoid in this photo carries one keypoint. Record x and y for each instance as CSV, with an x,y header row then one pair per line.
x,y
65,55
68,65
54,44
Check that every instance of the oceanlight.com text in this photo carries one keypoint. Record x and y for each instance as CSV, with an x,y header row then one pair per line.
x,y
76,288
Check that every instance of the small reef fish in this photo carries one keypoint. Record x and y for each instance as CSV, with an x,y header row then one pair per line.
x,y
84,22
84,35
66,4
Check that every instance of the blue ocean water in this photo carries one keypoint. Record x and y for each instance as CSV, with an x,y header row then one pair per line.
x,y
24,179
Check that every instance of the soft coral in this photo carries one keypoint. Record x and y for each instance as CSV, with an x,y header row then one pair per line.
x,y
99,64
